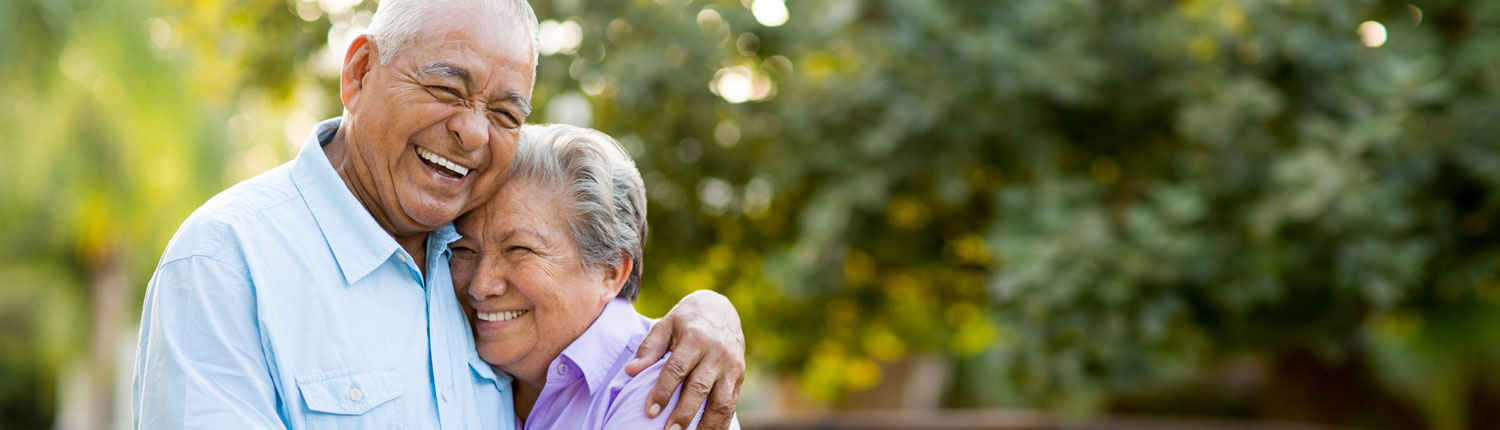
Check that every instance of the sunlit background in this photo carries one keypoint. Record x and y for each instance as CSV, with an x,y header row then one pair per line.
x,y
989,214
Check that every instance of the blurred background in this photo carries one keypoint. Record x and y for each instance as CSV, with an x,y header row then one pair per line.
x,y
985,214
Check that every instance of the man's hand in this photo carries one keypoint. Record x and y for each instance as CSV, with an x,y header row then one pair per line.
x,y
708,352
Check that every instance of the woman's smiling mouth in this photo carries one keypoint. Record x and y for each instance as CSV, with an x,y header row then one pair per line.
x,y
501,316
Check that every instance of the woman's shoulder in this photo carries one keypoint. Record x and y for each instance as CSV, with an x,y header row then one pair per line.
x,y
628,408
628,394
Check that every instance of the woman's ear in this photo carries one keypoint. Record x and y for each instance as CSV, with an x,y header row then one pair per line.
x,y
614,276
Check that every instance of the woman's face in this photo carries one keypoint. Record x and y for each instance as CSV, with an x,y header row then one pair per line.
x,y
520,278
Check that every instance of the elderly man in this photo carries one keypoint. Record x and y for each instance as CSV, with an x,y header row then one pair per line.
x,y
318,294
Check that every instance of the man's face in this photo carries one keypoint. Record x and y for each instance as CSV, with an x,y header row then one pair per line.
x,y
432,134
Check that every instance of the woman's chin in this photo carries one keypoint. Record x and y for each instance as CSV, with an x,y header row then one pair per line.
x,y
500,354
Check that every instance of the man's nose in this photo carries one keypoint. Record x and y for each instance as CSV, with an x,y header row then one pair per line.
x,y
471,128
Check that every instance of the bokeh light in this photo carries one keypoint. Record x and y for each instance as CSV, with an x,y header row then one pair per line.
x,y
733,84
770,13
559,37
1372,34
740,84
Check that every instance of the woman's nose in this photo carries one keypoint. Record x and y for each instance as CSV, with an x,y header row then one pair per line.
x,y
489,282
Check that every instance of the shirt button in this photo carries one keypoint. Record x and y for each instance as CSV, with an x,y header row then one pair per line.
x,y
356,395
445,396
400,256
562,370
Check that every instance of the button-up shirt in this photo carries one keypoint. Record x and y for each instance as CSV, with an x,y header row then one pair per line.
x,y
587,387
281,303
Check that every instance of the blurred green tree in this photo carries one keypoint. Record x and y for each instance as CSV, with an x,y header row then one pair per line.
x,y
116,125
1073,198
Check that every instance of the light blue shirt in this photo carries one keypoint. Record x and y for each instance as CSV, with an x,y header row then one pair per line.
x,y
280,303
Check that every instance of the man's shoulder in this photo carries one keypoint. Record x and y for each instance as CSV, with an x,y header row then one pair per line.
x,y
214,229
251,197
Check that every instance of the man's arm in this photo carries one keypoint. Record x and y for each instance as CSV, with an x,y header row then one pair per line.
x,y
708,360
200,363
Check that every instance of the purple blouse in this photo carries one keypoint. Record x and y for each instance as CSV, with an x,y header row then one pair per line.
x,y
587,387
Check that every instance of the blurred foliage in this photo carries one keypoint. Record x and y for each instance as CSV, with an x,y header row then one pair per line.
x,y
1069,198
119,120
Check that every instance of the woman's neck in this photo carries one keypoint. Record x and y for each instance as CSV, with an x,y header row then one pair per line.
x,y
529,379
526,397
530,372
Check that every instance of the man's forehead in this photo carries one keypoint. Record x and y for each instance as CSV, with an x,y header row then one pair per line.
x,y
470,43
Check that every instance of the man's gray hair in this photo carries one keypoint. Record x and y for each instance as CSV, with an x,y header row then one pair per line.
x,y
602,191
397,22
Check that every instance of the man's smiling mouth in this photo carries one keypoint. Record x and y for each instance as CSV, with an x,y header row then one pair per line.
x,y
442,165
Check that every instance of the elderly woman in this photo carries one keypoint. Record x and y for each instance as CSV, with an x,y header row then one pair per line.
x,y
547,272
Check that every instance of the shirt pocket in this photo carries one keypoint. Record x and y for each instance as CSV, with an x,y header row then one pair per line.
x,y
353,399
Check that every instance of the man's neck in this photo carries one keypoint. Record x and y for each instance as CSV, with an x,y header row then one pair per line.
x,y
416,246
337,151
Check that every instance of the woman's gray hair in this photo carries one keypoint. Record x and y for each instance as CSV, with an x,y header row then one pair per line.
x,y
397,22
603,190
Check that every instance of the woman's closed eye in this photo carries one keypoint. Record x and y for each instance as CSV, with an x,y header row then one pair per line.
x,y
461,251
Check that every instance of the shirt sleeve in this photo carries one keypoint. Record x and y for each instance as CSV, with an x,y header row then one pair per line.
x,y
200,363
628,411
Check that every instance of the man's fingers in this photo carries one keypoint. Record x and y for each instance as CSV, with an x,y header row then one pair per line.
x,y
652,348
698,386
672,374
721,405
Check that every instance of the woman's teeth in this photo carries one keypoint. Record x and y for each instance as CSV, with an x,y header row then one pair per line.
x,y
439,160
501,316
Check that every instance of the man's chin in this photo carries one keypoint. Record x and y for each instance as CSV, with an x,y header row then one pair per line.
x,y
429,219
427,206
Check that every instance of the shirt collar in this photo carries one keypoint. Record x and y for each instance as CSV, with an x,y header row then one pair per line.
x,y
359,244
488,373
437,244
598,349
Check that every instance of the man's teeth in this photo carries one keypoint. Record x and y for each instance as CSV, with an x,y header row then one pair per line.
x,y
501,316
439,160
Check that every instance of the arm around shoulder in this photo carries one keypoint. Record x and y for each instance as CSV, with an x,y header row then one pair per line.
x,y
200,363
628,410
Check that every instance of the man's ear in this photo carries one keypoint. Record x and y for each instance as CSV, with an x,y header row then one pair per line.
x,y
358,60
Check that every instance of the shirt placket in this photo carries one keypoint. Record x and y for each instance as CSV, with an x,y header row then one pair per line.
x,y
440,341
411,267
560,377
